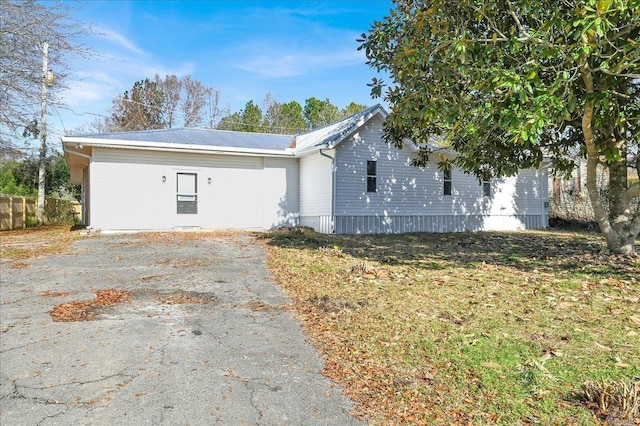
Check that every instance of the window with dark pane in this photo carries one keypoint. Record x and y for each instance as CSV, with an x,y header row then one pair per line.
x,y
486,188
187,193
447,182
372,184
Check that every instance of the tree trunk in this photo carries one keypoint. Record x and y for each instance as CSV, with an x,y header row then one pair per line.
x,y
619,227
620,214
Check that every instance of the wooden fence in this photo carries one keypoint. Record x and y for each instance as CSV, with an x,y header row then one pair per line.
x,y
20,212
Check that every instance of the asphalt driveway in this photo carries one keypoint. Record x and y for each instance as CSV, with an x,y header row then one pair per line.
x,y
204,337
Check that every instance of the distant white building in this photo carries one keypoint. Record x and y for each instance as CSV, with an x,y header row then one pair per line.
x,y
341,178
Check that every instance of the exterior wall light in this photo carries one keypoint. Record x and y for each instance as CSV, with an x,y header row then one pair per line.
x,y
164,179
209,181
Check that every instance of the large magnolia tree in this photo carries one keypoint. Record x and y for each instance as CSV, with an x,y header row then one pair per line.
x,y
509,83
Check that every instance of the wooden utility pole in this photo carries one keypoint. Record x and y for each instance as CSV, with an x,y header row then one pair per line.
x,y
43,135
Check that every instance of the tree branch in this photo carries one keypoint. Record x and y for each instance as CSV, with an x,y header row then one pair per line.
x,y
494,27
615,74
520,27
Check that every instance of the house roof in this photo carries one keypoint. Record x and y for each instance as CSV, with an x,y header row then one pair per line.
x,y
199,137
224,141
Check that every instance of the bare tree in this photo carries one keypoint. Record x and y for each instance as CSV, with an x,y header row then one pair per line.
x,y
215,112
272,113
165,103
25,26
97,125
170,87
35,38
196,95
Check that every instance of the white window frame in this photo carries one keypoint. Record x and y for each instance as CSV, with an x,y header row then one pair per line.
x,y
186,200
447,182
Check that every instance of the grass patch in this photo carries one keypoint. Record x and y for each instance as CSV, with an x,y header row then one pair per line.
x,y
479,328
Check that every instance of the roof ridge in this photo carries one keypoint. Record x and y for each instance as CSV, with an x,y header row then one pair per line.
x,y
337,130
371,108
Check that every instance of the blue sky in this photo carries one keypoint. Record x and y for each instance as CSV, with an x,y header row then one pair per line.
x,y
244,49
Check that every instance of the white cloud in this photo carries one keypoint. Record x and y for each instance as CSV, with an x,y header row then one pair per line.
x,y
315,48
273,67
150,17
99,76
120,40
279,65
83,92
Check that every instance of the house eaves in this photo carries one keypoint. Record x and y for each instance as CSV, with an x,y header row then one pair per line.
x,y
310,150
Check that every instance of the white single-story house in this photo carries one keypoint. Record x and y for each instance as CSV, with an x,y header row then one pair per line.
x,y
340,178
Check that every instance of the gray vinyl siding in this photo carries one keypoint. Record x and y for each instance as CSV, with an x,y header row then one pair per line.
x,y
128,192
412,199
398,224
316,188
401,188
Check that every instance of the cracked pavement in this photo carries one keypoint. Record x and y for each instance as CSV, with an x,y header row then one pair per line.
x,y
239,359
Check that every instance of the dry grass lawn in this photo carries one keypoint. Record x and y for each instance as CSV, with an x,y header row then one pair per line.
x,y
470,328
